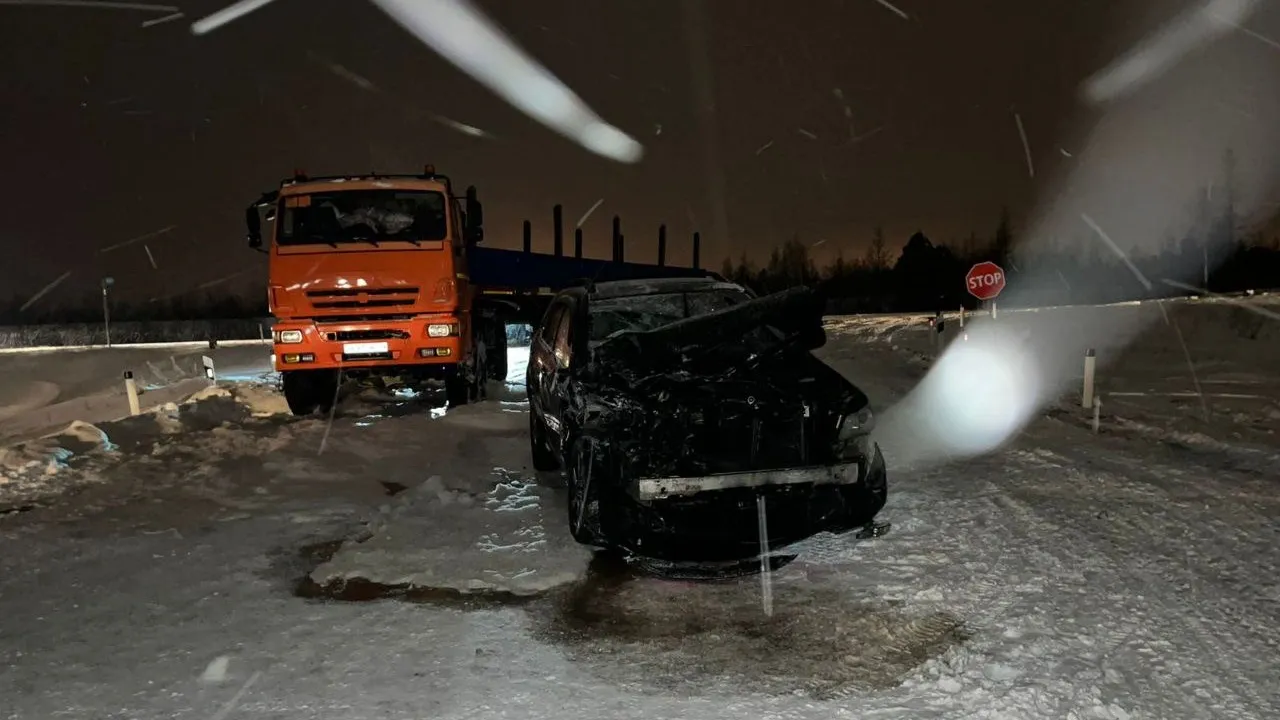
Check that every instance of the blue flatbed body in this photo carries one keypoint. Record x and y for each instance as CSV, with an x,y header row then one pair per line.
x,y
518,270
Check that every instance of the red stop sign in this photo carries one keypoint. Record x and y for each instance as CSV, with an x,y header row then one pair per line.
x,y
985,280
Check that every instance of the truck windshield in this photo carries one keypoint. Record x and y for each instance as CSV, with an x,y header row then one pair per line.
x,y
362,216
647,312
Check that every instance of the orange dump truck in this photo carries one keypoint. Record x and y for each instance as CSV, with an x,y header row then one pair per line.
x,y
383,275
368,275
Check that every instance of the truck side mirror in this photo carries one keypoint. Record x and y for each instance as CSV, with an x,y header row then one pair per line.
x,y
475,217
253,224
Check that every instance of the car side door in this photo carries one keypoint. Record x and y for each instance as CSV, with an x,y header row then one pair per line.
x,y
557,391
542,359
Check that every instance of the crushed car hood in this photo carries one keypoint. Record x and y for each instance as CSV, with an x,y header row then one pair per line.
x,y
787,320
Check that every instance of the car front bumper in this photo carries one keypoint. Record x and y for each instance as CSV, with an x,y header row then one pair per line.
x,y
850,473
716,517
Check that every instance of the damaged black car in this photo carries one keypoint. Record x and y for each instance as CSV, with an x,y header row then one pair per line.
x,y
685,410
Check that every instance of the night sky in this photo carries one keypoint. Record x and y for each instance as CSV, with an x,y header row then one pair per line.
x,y
110,130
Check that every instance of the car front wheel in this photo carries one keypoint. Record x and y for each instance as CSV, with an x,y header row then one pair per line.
x,y
585,465
544,460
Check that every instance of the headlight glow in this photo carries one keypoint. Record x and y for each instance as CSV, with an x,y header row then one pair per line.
x,y
289,337
854,435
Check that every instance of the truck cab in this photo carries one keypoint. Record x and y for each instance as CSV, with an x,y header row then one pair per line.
x,y
368,276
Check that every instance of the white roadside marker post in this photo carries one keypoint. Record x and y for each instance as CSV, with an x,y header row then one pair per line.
x,y
938,328
1086,394
1097,414
131,389
993,309
208,369
962,317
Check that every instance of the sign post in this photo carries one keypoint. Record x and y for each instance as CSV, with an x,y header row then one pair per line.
x,y
985,281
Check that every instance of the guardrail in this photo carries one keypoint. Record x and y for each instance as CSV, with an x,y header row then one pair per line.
x,y
192,344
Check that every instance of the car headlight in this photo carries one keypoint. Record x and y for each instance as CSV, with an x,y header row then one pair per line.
x,y
439,330
289,337
854,435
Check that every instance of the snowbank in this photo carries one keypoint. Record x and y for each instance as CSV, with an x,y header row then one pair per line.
x,y
80,452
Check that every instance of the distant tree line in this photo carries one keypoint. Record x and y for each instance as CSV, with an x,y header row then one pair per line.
x,y
926,276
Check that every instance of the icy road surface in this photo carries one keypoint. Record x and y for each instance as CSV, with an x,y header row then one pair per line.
x,y
1072,575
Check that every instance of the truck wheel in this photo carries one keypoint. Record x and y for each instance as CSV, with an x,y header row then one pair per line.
x,y
498,354
585,474
306,391
480,381
456,388
544,460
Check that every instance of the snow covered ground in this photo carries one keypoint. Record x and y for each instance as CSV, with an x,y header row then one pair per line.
x,y
45,390
184,564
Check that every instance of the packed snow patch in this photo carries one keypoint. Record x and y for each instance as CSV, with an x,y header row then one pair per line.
x,y
509,539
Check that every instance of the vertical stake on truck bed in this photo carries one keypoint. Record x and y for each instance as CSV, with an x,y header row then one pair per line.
x,y
528,236
617,239
577,243
557,229
662,245
697,250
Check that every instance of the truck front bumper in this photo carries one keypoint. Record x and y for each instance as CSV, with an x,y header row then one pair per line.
x,y
371,344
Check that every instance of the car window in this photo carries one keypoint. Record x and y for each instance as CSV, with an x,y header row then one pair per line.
x,y
563,348
550,325
646,312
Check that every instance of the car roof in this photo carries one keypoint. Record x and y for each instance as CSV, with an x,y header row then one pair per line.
x,y
655,286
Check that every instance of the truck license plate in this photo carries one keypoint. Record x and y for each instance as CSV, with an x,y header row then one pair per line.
x,y
367,348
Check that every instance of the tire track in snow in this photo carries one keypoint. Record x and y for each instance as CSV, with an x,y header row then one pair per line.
x,y
1233,688
1074,550
1173,566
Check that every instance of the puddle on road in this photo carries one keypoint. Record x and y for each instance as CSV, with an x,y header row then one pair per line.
x,y
706,637
683,637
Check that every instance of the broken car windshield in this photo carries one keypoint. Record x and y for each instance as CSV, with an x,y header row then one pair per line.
x,y
362,216
647,312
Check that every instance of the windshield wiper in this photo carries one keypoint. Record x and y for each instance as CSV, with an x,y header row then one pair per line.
x,y
324,240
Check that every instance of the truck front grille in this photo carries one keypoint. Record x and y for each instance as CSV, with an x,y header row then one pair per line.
x,y
358,335
363,298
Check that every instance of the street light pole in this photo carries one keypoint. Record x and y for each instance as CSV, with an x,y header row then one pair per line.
x,y
107,282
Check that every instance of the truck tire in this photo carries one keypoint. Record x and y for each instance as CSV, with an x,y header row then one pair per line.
x,y
544,460
498,353
306,391
457,391
480,379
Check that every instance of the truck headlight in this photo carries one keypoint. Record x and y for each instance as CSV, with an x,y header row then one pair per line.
x,y
439,330
289,337
853,438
